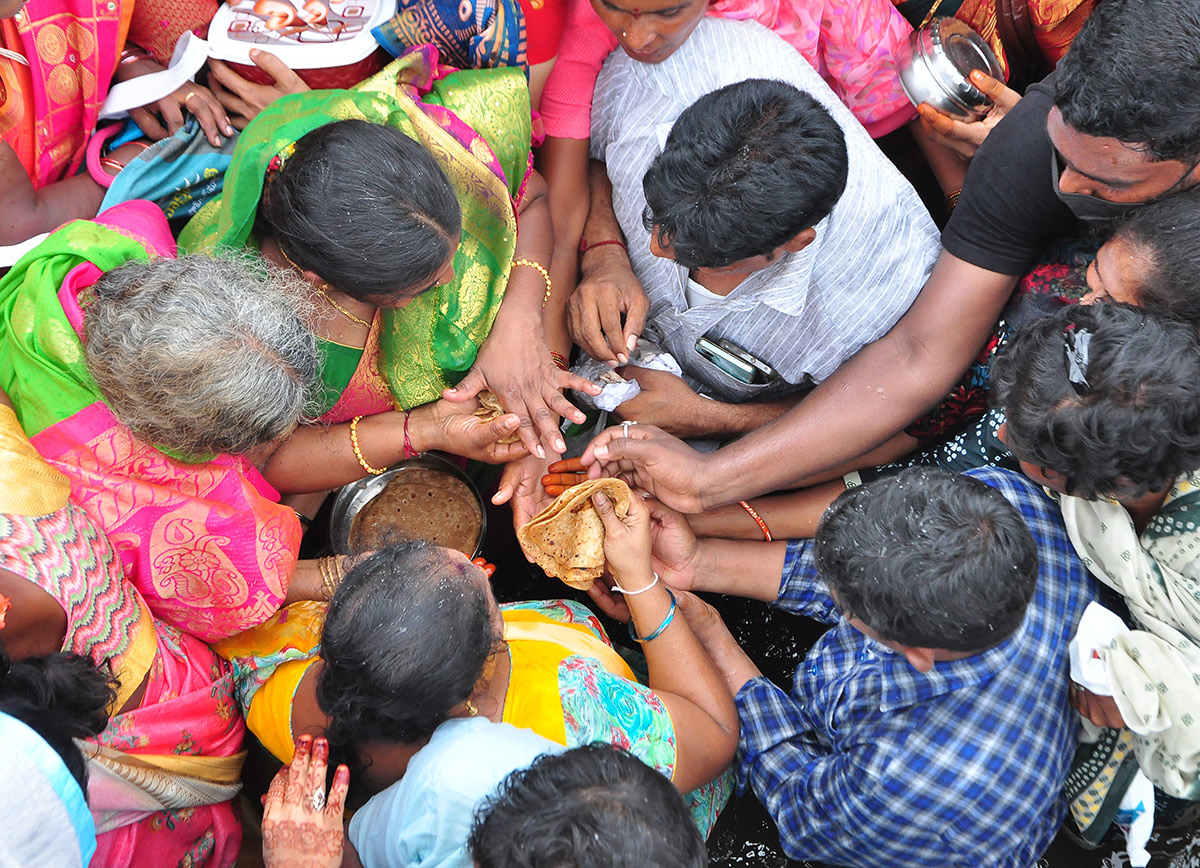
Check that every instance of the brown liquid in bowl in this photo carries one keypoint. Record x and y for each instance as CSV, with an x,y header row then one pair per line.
x,y
419,505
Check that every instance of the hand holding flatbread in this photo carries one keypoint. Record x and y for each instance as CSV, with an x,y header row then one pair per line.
x,y
566,539
490,409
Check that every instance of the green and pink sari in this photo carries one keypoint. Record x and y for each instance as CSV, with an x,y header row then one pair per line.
x,y
477,125
205,542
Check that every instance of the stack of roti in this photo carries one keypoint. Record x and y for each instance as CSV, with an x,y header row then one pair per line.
x,y
566,539
490,409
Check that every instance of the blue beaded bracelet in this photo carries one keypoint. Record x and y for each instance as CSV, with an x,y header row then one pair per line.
x,y
664,625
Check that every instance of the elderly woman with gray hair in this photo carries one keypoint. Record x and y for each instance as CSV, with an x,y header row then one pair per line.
x,y
156,385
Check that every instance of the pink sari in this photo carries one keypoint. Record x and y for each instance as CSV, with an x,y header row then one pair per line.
x,y
207,544
187,720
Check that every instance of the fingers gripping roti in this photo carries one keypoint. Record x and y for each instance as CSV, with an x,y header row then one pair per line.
x,y
490,409
566,539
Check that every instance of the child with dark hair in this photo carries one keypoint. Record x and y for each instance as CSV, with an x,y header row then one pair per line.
x,y
45,704
592,807
930,726
1102,406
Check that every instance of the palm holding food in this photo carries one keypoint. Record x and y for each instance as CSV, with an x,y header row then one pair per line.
x,y
566,539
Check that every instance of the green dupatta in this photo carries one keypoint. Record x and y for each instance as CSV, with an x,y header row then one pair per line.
x,y
41,364
477,125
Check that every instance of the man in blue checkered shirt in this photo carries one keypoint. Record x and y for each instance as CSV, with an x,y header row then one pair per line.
x,y
930,726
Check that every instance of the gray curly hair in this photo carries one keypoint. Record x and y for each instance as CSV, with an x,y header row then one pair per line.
x,y
203,355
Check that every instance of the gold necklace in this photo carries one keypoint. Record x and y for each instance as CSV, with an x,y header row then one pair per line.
x,y
342,310
321,289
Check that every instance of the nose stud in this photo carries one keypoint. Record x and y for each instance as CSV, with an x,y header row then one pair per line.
x,y
625,33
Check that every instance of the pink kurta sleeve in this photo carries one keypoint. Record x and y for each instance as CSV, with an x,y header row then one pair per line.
x,y
566,106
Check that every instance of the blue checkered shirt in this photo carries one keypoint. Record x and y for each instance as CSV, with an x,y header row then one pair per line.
x,y
872,763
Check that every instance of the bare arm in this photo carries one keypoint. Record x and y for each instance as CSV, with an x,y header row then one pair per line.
x,y
321,457
608,287
667,401
28,212
564,164
681,673
514,361
868,400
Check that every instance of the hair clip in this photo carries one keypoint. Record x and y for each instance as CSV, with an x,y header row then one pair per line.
x,y
1077,342
282,157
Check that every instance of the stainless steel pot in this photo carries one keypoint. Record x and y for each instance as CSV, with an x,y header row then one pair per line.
x,y
351,498
937,66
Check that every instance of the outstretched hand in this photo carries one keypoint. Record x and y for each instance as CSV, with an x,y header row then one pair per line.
x,y
652,460
164,117
301,828
518,369
465,434
965,137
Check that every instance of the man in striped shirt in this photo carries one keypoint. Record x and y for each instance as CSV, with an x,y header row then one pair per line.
x,y
772,222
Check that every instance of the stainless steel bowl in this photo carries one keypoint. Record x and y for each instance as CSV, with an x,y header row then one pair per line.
x,y
937,66
351,498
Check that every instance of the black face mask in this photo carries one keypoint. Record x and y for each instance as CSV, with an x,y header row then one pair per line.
x,y
1094,209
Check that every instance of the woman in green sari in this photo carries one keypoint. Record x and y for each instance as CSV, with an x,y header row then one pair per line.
x,y
408,235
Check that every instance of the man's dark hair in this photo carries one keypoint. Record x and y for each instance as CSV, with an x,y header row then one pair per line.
x,y
1133,428
1166,234
405,641
1133,73
745,169
929,559
365,207
591,807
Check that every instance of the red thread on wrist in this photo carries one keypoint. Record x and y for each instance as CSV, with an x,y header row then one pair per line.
x,y
762,525
584,247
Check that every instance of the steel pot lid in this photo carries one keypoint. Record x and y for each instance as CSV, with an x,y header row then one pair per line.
x,y
944,53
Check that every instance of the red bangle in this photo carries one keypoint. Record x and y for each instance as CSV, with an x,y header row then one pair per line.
x,y
560,361
762,525
110,163
584,247
409,452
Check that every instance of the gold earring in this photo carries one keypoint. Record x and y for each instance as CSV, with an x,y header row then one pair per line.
x,y
472,711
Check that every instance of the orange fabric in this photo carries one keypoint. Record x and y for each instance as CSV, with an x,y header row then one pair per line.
x,y
50,108
1055,25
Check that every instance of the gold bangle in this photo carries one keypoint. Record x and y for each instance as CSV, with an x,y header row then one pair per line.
x,y
327,580
545,275
357,451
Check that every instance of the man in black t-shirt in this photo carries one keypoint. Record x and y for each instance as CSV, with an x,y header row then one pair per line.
x,y
1116,126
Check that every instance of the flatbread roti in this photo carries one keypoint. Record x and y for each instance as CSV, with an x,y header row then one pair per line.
x,y
566,539
490,409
